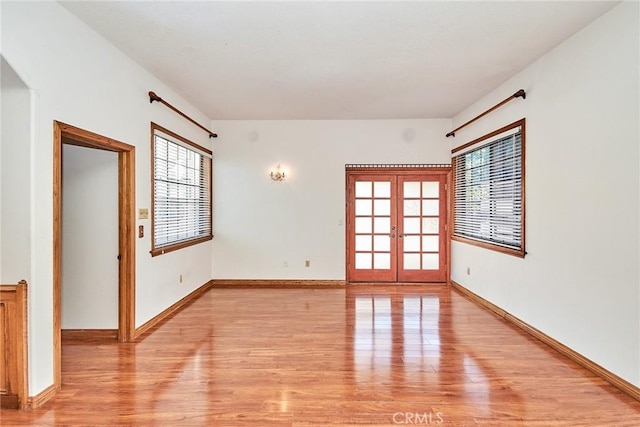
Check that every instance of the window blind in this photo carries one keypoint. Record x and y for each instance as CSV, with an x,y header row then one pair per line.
x,y
182,192
489,193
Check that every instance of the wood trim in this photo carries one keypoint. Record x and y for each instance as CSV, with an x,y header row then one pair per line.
x,y
504,250
41,398
277,284
22,350
9,401
57,255
523,187
172,310
387,286
519,123
89,334
84,138
170,248
396,169
450,197
15,339
478,299
152,183
127,245
347,225
571,354
66,134
155,126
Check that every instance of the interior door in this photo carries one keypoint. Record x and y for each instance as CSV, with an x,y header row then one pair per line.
x,y
396,227
372,228
422,228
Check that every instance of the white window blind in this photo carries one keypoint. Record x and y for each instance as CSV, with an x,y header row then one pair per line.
x,y
181,193
489,192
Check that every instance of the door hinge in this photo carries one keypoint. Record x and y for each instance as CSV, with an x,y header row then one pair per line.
x,y
119,257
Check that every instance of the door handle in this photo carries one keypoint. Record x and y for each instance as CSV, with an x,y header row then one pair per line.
x,y
393,236
400,235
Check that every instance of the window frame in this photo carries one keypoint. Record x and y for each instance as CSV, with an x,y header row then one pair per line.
x,y
208,155
482,142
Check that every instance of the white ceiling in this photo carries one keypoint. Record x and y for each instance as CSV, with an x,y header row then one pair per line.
x,y
335,59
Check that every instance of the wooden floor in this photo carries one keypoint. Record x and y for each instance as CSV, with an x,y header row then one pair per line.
x,y
309,357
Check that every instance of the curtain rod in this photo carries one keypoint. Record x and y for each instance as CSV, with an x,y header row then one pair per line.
x,y
154,97
519,94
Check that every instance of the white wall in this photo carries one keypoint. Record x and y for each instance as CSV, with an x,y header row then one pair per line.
x,y
259,223
15,235
89,238
82,80
580,281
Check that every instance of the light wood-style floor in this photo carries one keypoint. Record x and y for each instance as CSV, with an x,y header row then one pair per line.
x,y
367,356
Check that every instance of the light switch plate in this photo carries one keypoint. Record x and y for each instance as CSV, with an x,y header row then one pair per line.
x,y
143,213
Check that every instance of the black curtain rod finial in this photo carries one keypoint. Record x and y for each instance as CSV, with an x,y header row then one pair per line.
x,y
453,134
520,94
213,135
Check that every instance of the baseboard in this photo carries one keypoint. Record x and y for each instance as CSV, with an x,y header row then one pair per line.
x,y
478,299
573,355
398,285
89,334
166,314
278,284
34,402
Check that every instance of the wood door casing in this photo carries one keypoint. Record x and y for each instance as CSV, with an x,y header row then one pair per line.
x,y
67,134
366,235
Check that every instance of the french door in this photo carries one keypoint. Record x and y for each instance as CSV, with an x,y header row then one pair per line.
x,y
397,226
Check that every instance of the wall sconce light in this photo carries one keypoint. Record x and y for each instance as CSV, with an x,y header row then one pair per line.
x,y
278,174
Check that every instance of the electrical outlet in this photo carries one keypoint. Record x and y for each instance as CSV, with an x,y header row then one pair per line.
x,y
181,278
468,271
307,263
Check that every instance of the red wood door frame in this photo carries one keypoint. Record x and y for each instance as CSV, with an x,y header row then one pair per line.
x,y
362,254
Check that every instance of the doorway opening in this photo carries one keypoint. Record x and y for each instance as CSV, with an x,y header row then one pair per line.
x,y
67,134
397,223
